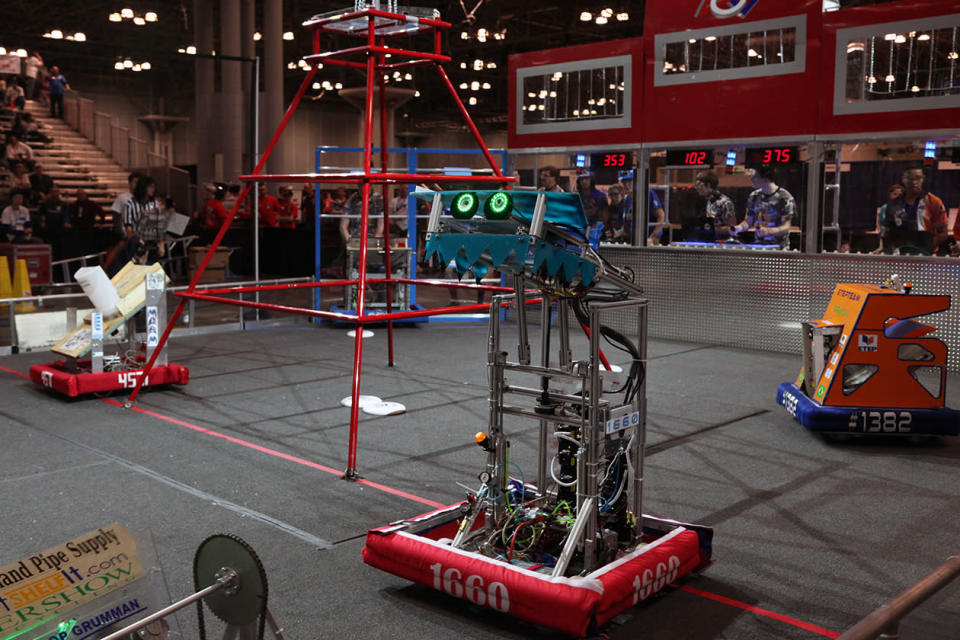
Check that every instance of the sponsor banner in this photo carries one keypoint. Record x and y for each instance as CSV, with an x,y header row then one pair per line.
x,y
10,64
45,586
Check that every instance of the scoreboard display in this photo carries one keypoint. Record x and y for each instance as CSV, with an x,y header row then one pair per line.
x,y
689,157
773,155
607,165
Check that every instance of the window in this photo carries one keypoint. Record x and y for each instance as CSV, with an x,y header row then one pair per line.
x,y
754,49
913,352
854,375
586,94
898,66
930,378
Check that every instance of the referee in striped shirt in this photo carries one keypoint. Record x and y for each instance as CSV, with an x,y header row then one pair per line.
x,y
142,224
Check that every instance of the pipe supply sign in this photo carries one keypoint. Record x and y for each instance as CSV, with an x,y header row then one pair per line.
x,y
46,585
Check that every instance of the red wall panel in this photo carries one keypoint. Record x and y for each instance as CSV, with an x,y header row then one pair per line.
x,y
905,120
594,138
778,105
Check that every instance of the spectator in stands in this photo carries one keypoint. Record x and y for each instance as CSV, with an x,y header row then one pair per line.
x,y
50,220
230,198
6,183
20,181
398,212
13,96
268,207
916,219
289,214
615,231
308,204
15,218
656,218
40,184
27,128
58,84
32,67
336,204
18,151
83,212
594,200
893,192
720,210
549,179
212,214
770,209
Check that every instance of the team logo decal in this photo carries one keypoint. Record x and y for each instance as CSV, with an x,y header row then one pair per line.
x,y
867,342
728,8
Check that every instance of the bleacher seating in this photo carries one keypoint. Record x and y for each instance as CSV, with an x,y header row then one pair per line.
x,y
73,161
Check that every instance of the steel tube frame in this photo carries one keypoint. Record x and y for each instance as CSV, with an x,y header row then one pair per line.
x,y
229,579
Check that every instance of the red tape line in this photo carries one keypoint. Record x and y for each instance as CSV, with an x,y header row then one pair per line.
x,y
806,626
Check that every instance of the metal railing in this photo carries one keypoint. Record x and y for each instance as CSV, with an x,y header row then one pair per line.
x,y
116,141
885,621
67,266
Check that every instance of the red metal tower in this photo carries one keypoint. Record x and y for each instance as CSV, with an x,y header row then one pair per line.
x,y
374,27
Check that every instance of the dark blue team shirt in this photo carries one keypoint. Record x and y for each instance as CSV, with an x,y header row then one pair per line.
x,y
57,83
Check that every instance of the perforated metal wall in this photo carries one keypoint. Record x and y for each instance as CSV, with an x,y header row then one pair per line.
x,y
757,300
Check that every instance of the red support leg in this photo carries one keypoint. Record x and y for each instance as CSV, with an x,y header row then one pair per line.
x,y
351,471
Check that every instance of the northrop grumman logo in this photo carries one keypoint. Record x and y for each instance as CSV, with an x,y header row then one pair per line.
x,y
728,8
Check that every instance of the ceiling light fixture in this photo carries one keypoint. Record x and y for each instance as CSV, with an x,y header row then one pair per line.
x,y
923,36
473,100
586,16
115,17
601,20
126,13
139,21
150,16
257,36
288,35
